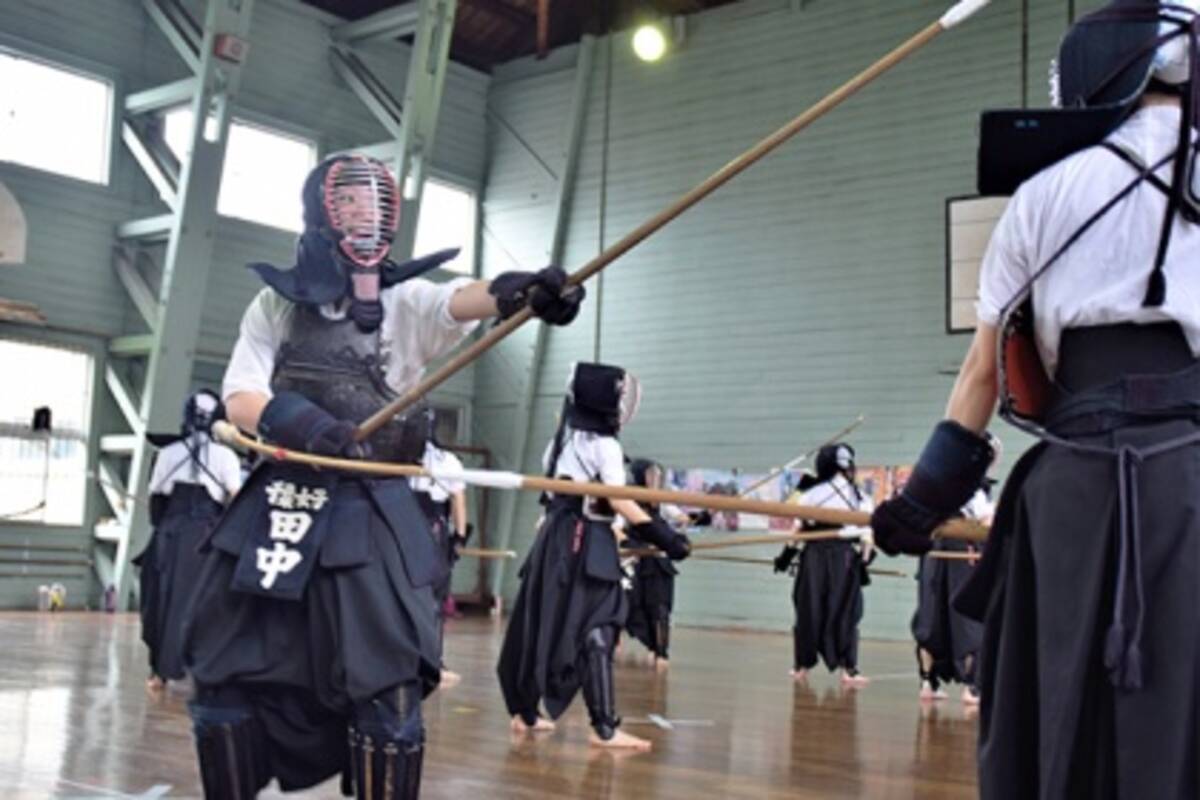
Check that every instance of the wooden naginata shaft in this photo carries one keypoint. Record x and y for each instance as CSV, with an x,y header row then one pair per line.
x,y
962,529
800,459
953,555
767,562
744,541
957,14
485,553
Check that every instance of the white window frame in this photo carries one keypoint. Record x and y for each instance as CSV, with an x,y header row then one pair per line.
x,y
68,62
89,435
249,119
471,248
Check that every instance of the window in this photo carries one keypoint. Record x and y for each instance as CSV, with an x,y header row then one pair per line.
x,y
44,475
264,170
447,220
54,118
969,225
446,424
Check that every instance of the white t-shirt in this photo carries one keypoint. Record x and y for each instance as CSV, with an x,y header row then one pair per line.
x,y
1102,278
836,493
439,490
417,328
588,456
980,506
173,466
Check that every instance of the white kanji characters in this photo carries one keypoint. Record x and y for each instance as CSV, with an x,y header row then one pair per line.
x,y
272,563
311,498
281,494
287,525
290,526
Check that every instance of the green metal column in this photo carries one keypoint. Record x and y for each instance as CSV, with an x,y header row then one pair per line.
x,y
523,415
188,230
413,121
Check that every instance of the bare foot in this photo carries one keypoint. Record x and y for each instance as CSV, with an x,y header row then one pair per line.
x,y
449,679
542,725
155,684
799,675
969,697
928,694
661,664
620,741
854,681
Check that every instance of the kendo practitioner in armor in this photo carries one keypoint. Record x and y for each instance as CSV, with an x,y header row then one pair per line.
x,y
829,574
193,480
445,505
571,605
314,633
652,593
948,640
1088,584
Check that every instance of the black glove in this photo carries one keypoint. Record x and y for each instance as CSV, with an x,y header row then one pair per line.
x,y
783,561
543,291
950,469
665,538
297,423
461,539
701,519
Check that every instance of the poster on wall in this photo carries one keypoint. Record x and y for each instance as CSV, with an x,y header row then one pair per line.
x,y
877,483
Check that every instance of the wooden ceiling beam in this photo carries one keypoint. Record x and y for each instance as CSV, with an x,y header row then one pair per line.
x,y
511,14
543,28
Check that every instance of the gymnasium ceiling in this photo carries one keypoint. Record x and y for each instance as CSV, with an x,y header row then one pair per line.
x,y
490,32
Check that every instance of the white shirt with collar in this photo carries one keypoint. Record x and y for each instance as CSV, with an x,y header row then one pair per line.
x,y
588,456
1102,278
835,493
980,507
417,328
221,475
439,490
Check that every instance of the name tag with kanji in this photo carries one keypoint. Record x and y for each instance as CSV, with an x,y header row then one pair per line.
x,y
289,514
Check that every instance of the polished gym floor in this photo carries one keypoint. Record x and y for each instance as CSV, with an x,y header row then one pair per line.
x,y
726,721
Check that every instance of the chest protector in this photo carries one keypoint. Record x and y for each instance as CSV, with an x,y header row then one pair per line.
x,y
341,368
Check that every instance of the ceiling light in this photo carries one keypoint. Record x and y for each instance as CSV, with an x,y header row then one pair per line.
x,y
649,42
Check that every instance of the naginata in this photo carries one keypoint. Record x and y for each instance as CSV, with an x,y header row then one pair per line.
x,y
829,575
313,635
1088,583
948,640
193,480
444,504
652,590
571,605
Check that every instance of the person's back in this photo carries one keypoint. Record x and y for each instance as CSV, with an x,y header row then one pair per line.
x,y
1087,584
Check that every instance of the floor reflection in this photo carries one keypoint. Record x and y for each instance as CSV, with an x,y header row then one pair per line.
x,y
726,721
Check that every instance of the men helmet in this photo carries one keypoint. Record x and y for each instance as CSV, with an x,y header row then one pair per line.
x,y
835,459
601,398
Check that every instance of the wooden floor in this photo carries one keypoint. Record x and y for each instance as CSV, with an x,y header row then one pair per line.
x,y
75,721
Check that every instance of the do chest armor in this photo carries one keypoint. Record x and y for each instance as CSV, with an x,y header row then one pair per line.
x,y
341,369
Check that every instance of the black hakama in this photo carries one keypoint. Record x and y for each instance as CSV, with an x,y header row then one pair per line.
x,y
651,599
169,567
950,637
364,623
1082,697
570,585
828,599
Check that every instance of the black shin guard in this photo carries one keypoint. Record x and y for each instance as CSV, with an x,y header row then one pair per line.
x,y
662,635
927,675
387,746
598,691
230,744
